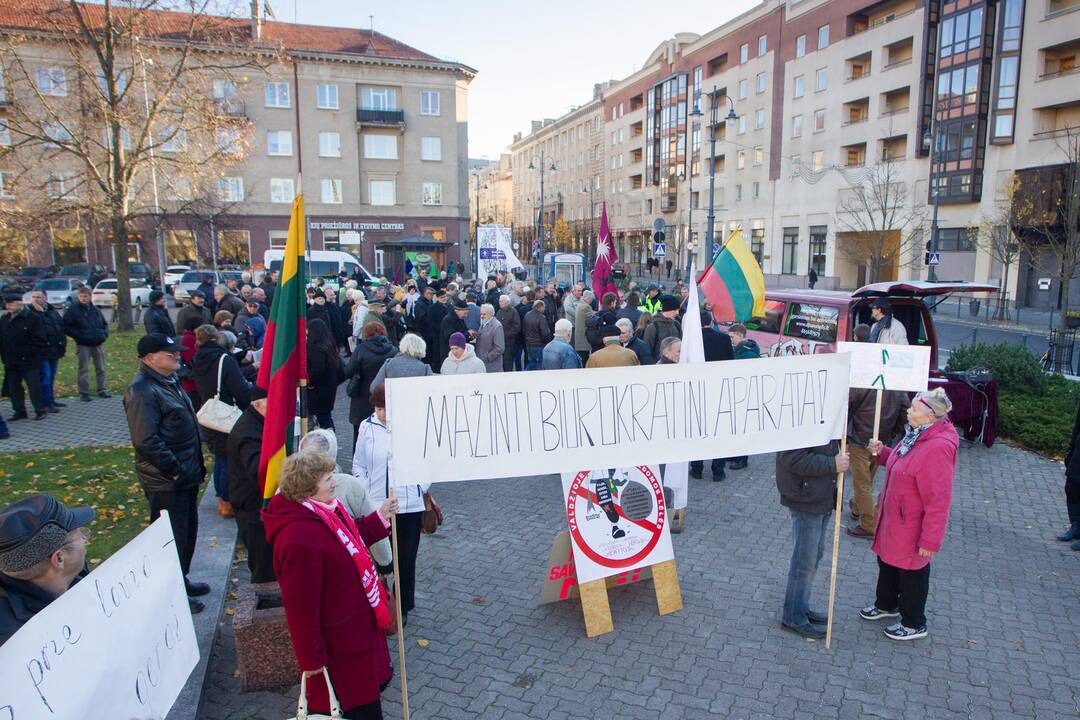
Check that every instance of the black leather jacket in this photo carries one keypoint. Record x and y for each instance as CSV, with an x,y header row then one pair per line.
x,y
85,325
157,320
165,433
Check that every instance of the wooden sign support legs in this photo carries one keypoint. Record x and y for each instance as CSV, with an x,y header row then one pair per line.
x,y
836,536
597,611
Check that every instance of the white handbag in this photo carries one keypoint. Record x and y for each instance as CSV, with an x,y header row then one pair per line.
x,y
217,414
301,705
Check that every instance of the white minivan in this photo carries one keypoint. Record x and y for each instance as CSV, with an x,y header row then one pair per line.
x,y
321,263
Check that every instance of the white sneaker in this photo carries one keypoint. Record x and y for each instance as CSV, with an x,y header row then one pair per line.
x,y
902,632
872,612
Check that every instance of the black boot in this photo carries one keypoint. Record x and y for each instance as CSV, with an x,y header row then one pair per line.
x,y
1073,533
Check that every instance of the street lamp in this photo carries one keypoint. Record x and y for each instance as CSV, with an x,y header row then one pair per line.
x,y
933,139
476,228
543,166
592,214
713,123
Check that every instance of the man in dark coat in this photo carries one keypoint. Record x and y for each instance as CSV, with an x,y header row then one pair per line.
x,y
806,479
168,448
663,324
523,308
452,322
85,324
196,307
243,449
225,300
55,347
1072,487
157,318
510,320
207,288
22,345
537,333
717,346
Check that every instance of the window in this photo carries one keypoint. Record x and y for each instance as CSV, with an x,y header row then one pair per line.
x,y
760,83
821,80
789,264
755,190
224,90
762,45
955,240
431,148
744,52
278,238
740,160
823,37
380,147
1005,100
326,97
123,79
5,134
174,140
381,192
743,89
759,155
738,193
230,189
429,102
742,124
378,98
757,247
279,142
57,133
796,126
818,161
759,119
7,191
697,88
800,46
329,144
331,191
281,190
62,186
1011,25
178,188
799,86
819,120
817,248
52,81
813,322
228,140
3,87
961,32
276,94
431,194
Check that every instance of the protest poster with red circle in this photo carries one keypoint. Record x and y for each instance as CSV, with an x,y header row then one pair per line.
x,y
617,520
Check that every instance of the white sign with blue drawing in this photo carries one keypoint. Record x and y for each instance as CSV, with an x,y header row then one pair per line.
x,y
935,258
888,367
659,250
716,248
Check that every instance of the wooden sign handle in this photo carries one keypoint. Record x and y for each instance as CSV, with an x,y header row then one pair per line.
x,y
877,415
400,624
836,536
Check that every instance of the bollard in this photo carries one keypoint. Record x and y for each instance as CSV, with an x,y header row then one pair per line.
x,y
975,336
1023,340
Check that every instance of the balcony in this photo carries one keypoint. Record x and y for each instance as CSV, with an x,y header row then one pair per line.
x,y
856,111
230,107
1060,6
381,118
899,53
878,14
894,149
895,102
1060,60
858,67
854,155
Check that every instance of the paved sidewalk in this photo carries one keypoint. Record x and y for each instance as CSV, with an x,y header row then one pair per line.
x,y
1003,615
98,422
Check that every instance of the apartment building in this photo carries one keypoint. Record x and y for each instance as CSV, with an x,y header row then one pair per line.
x,y
380,128
492,186
828,97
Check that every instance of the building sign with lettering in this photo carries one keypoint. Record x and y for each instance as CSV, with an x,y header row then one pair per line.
x,y
357,226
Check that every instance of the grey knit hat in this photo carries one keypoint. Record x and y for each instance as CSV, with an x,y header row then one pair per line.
x,y
936,400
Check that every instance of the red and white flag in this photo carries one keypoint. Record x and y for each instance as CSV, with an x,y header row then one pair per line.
x,y
606,257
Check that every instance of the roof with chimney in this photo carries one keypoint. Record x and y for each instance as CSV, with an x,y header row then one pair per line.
x,y
50,16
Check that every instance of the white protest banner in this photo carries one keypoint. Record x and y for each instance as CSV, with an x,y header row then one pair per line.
x,y
466,427
691,350
617,520
119,644
494,250
888,367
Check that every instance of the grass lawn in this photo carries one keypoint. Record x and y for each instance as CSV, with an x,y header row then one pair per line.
x,y
121,363
98,477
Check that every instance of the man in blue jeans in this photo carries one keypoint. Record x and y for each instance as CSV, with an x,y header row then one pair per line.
x,y
55,348
806,479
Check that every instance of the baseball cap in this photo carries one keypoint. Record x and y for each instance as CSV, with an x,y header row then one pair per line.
x,y
156,342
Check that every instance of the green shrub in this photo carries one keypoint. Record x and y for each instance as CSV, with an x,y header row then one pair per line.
x,y
1014,367
1040,421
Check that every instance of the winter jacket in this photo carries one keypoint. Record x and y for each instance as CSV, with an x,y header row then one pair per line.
x,y
55,338
913,510
644,355
268,289
511,324
23,339
249,330
1072,455
85,324
537,330
894,334
324,376
395,326
400,366
522,309
157,320
315,311
366,362
231,303
717,345
185,373
806,478
371,466
560,355
353,494
449,325
491,345
862,402
570,305
581,318
612,355
421,312
243,449
200,311
469,364
235,390
747,350
165,433
661,327
633,314
330,622
472,320
21,600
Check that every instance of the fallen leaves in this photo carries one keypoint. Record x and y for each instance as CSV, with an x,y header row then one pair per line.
x,y
422,642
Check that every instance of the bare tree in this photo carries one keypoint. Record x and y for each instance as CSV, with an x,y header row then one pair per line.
x,y
996,238
883,222
111,102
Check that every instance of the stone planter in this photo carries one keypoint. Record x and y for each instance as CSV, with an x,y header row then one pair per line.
x,y
264,654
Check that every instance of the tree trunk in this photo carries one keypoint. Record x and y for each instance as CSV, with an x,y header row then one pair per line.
x,y
123,282
1003,296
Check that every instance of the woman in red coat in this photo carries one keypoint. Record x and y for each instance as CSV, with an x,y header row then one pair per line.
x,y
335,606
914,510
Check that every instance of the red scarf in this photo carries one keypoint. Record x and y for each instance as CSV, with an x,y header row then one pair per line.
x,y
348,535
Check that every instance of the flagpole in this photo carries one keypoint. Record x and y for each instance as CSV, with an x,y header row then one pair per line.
x,y
303,390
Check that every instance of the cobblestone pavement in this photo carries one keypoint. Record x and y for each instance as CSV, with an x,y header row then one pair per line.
x,y
1003,615
98,422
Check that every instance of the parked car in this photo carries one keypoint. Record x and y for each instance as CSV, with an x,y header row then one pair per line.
x,y
227,275
104,293
59,291
191,280
173,273
85,273
141,271
322,263
9,283
30,276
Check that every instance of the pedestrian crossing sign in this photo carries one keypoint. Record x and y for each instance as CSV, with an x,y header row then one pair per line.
x,y
660,250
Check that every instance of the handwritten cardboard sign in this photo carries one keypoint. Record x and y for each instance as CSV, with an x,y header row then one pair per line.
x,y
119,644
466,427
888,367
560,581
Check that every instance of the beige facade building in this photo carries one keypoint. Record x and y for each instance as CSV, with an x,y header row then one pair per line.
x,y
832,99
381,129
492,187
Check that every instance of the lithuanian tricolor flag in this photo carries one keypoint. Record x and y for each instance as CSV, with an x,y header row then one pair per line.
x,y
284,361
733,283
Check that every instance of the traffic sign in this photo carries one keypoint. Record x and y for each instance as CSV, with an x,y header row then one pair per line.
x,y
660,250
935,258
658,236
716,248
659,224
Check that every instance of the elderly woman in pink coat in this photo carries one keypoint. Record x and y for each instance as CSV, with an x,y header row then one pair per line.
x,y
914,511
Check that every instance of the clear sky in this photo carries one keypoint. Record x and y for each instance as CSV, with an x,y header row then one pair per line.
x,y
534,60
